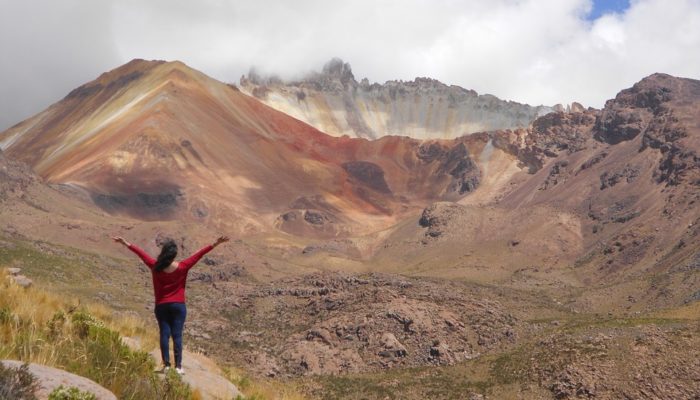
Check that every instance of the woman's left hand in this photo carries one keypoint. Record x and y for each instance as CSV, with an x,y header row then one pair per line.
x,y
221,239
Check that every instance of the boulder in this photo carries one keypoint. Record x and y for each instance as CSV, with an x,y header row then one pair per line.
x,y
391,346
23,281
50,378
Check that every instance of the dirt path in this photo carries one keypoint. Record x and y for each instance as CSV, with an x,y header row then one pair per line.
x,y
201,373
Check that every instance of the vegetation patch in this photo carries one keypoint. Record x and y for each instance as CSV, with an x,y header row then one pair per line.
x,y
46,329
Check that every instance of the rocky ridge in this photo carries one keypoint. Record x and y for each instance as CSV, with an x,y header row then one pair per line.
x,y
334,102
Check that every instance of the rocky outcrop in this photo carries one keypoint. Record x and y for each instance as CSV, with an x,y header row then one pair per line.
x,y
463,170
629,113
438,218
658,107
334,102
609,179
367,174
336,323
549,136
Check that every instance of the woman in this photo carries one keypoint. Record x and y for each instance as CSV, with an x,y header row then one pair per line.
x,y
169,279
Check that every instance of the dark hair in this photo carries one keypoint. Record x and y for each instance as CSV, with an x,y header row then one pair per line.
x,y
167,254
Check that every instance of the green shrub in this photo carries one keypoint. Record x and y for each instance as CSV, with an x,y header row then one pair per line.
x,y
71,393
17,383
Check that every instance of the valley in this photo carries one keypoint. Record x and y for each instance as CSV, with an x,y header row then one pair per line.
x,y
553,255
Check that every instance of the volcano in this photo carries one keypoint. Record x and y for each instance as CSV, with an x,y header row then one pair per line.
x,y
159,140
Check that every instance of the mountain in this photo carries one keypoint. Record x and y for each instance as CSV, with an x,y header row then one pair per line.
x,y
161,141
554,260
602,196
335,103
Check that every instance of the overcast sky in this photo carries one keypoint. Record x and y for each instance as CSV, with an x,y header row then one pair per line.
x,y
530,51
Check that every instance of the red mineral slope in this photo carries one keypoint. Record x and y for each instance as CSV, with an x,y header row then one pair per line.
x,y
159,140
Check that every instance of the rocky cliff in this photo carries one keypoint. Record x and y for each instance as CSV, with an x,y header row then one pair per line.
x,y
334,102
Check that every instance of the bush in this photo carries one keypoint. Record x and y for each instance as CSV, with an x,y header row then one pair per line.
x,y
17,383
71,393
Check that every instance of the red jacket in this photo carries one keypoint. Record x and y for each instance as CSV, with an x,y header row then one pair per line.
x,y
169,287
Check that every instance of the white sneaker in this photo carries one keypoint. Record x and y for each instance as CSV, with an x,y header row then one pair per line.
x,y
164,370
180,371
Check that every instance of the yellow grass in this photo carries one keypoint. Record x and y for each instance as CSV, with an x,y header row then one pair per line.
x,y
33,309
262,389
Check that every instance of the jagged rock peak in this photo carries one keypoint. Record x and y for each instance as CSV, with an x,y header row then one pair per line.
x,y
336,68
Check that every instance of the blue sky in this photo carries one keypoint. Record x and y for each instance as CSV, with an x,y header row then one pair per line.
x,y
601,7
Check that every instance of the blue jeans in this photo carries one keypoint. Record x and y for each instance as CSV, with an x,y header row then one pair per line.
x,y
171,321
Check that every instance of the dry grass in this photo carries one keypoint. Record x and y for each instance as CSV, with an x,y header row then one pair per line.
x,y
44,328
690,311
33,309
258,389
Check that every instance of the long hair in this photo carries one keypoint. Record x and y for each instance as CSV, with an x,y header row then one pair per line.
x,y
167,254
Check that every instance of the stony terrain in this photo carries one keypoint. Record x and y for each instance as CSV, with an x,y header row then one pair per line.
x,y
336,323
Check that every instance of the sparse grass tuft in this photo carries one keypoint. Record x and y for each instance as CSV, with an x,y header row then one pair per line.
x,y
17,383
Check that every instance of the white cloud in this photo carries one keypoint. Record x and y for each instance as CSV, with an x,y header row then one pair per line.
x,y
534,51
47,48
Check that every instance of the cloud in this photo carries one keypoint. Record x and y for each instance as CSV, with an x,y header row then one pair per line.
x,y
533,51
49,48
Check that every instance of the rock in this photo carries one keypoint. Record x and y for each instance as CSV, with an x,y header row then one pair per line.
x,y
464,171
609,179
320,334
23,281
577,107
392,346
316,217
204,376
14,271
441,352
50,378
550,135
331,322
619,125
368,174
439,216
557,174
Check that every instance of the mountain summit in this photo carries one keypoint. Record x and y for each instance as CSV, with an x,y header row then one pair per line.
x,y
335,103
